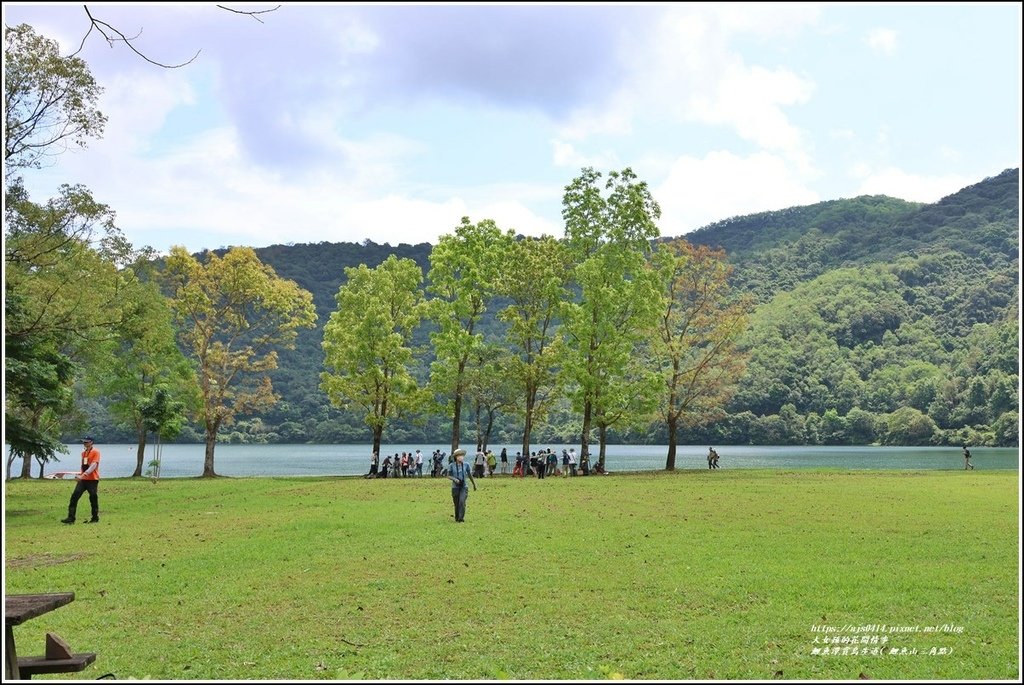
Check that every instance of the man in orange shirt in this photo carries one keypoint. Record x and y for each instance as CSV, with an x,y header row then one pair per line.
x,y
88,481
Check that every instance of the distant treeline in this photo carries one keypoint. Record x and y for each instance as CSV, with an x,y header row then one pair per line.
x,y
877,321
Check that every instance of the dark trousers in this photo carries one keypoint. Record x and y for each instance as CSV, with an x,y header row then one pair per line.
x,y
82,487
459,496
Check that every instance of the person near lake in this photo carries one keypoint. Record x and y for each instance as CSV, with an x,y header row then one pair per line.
x,y
504,460
458,473
552,462
967,459
385,467
374,465
87,481
712,458
479,463
491,463
419,464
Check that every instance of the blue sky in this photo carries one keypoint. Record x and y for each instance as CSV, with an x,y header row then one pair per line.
x,y
347,122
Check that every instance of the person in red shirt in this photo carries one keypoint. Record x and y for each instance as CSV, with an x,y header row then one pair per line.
x,y
88,481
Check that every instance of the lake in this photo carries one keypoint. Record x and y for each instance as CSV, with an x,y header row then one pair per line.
x,y
183,461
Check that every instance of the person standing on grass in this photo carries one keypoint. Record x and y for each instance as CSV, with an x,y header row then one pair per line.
x,y
88,481
419,464
504,460
479,463
457,474
967,459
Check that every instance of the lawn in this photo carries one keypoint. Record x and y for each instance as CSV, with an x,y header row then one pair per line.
x,y
743,574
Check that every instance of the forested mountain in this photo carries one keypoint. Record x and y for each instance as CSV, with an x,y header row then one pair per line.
x,y
876,320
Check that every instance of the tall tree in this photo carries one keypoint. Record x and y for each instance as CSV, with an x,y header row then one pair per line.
x,y
533,279
368,342
608,239
694,344
463,266
233,313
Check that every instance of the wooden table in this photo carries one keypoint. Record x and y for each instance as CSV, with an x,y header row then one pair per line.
x,y
21,608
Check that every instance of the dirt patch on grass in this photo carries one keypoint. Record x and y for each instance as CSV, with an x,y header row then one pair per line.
x,y
37,560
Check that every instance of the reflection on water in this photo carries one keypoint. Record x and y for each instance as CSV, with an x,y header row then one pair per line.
x,y
179,461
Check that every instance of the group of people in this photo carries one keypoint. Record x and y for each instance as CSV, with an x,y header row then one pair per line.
x,y
400,466
544,462
712,458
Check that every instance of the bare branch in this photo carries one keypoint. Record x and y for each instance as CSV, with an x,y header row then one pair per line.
x,y
99,25
112,35
251,14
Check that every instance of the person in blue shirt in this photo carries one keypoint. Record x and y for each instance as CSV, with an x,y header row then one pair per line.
x,y
458,472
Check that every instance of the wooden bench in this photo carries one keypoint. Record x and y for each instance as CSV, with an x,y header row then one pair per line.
x,y
58,659
29,666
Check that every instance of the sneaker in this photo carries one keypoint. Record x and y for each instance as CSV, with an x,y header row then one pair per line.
x,y
67,520
95,519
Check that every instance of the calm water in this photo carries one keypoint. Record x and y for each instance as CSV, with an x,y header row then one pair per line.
x,y
180,461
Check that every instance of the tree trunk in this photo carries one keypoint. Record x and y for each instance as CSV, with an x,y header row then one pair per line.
x,y
489,428
378,433
670,461
588,409
602,436
140,452
26,467
479,427
211,443
456,422
527,429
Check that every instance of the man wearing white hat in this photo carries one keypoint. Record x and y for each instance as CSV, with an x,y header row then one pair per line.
x,y
458,472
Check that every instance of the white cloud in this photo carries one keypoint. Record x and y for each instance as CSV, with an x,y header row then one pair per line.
x,y
897,183
687,69
882,41
722,185
566,155
207,189
751,99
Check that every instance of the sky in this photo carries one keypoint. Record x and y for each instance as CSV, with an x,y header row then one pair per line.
x,y
346,122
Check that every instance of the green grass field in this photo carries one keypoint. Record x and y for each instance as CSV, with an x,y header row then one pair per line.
x,y
690,575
